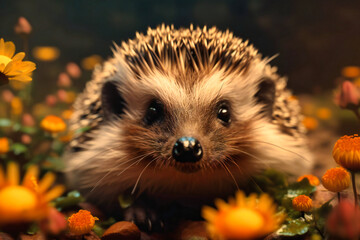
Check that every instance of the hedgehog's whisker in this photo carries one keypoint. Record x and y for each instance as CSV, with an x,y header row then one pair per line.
x,y
249,176
282,148
223,164
115,167
142,172
251,155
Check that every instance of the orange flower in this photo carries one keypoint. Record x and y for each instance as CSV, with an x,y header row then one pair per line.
x,y
16,106
243,218
81,223
336,179
66,114
310,123
4,145
313,180
53,124
30,200
346,152
323,113
351,71
302,203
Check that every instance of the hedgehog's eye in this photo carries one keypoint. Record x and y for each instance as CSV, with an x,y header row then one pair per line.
x,y
223,113
154,113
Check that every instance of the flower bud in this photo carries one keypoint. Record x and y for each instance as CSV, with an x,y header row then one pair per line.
x,y
23,26
73,70
349,95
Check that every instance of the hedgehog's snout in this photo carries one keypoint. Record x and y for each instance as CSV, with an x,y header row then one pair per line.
x,y
187,149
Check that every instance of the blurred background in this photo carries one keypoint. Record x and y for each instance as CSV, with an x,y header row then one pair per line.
x,y
314,39
317,42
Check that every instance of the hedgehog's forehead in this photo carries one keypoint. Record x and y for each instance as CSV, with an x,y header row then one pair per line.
x,y
175,92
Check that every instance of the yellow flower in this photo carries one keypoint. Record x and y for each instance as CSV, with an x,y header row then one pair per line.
x,y
323,113
243,218
4,145
313,180
53,124
346,152
16,106
81,223
336,179
30,200
302,203
90,62
46,53
12,67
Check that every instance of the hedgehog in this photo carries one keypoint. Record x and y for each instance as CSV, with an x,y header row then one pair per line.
x,y
180,117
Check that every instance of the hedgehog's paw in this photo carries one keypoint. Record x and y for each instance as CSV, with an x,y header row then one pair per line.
x,y
146,219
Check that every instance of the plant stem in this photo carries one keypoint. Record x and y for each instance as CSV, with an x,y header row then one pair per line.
x,y
356,113
354,188
338,195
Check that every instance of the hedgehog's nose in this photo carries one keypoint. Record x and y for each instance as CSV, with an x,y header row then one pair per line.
x,y
187,149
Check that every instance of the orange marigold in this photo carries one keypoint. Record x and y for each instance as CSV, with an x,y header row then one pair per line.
x,y
4,145
53,124
81,223
313,180
336,179
302,203
346,152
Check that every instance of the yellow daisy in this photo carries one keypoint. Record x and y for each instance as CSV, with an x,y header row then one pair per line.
x,y
28,201
12,67
243,218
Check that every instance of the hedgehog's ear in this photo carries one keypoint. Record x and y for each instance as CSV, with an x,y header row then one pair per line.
x,y
112,102
266,95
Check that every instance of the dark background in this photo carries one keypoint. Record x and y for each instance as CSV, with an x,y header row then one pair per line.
x,y
315,39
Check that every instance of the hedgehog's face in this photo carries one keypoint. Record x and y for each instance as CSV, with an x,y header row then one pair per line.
x,y
189,123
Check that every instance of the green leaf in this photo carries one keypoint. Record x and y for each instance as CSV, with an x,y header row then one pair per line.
x,y
99,231
82,130
54,164
300,188
28,130
18,148
320,215
294,227
4,122
272,182
16,127
125,201
71,199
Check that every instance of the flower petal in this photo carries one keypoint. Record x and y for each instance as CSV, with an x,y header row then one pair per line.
x,y
13,175
27,67
46,182
31,173
57,191
19,56
9,49
2,176
21,78
2,46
